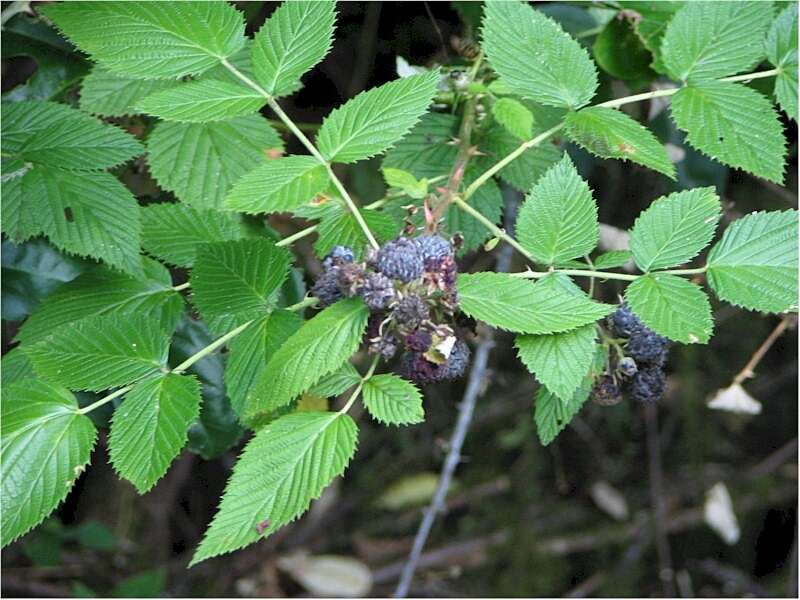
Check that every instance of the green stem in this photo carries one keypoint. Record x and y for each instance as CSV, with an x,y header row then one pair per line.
x,y
309,146
751,76
492,227
291,239
182,286
639,97
697,271
576,273
360,386
197,356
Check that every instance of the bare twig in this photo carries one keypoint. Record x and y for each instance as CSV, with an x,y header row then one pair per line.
x,y
665,571
748,371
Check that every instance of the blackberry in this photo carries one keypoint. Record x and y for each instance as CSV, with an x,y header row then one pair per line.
x,y
457,361
647,347
623,323
418,340
648,384
377,291
419,369
605,391
385,345
326,287
400,259
433,247
337,257
627,367
410,311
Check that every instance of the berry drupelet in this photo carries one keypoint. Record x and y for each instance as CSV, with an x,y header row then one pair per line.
x,y
400,259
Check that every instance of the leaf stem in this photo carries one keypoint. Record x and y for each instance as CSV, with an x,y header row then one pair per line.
x,y
197,356
272,103
497,231
182,286
576,273
360,386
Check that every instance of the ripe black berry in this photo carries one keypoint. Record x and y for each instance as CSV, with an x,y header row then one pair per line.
x,y
410,311
338,256
326,287
457,361
648,384
377,291
433,247
647,347
623,323
400,259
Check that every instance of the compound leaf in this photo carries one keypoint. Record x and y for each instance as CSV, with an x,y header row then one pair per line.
x,y
671,306
373,121
781,49
98,353
319,347
559,361
199,162
278,185
45,447
251,350
610,133
733,124
202,101
551,305
709,40
558,220
675,228
535,57
149,428
612,259
172,232
285,466
754,265
109,95
393,400
236,281
152,40
295,38
103,291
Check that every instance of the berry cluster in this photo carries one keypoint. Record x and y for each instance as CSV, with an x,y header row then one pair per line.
x,y
640,371
409,287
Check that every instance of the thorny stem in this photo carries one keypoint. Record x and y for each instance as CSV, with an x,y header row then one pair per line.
x,y
309,146
197,356
360,386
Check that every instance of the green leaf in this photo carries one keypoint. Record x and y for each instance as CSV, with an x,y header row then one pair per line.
x,y
319,347
733,124
106,94
487,200
16,366
671,306
559,361
285,466
405,181
103,292
18,220
620,52
610,133
234,282
393,400
202,101
612,259
337,382
278,185
172,232
675,228
149,428
341,229
709,40
781,49
295,38
754,265
56,135
88,214
45,447
98,353
651,25
199,162
514,116
152,40
373,121
252,349
558,220
548,306
535,57
552,414
425,151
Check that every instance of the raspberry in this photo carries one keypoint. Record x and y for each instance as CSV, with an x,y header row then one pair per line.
x,y
410,311
386,346
338,256
627,367
433,247
605,391
326,287
400,259
457,361
623,323
648,384
419,340
417,368
377,291
647,347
